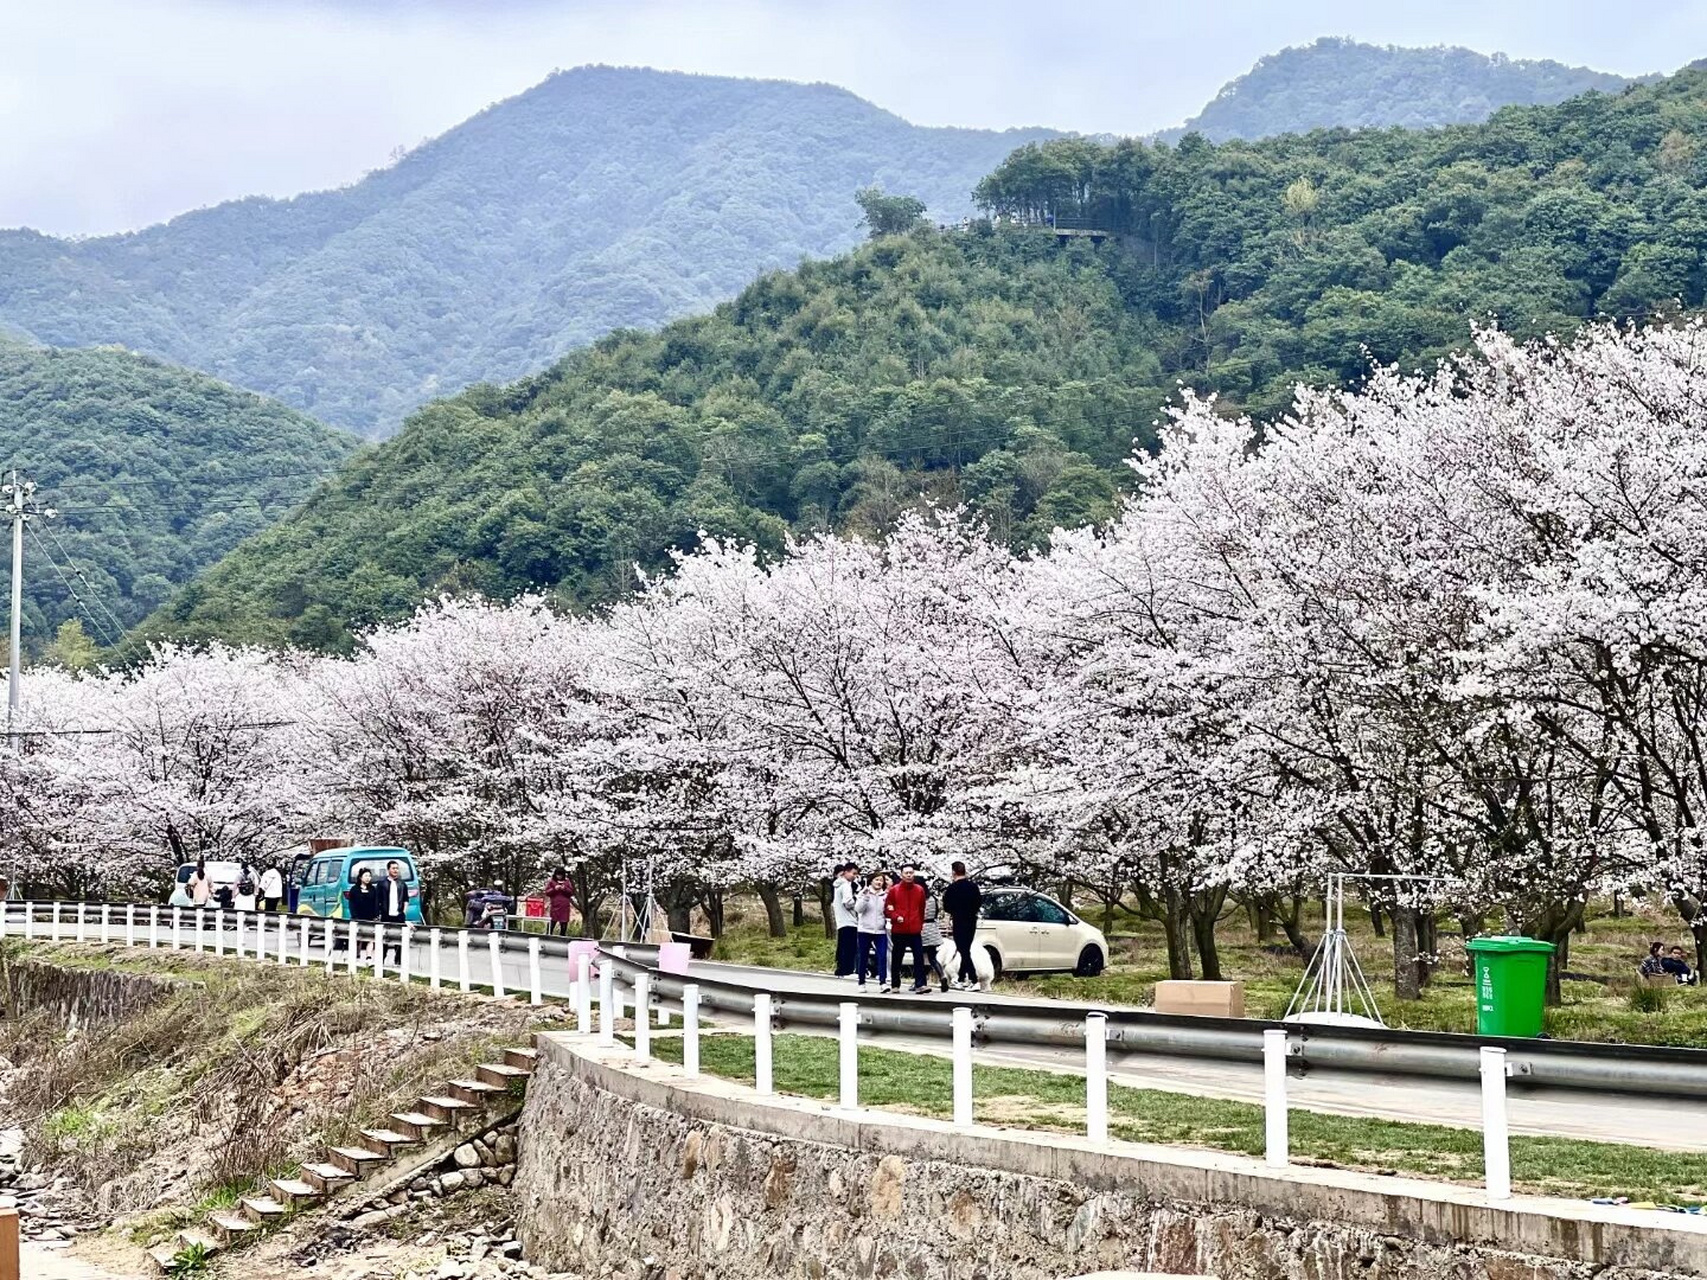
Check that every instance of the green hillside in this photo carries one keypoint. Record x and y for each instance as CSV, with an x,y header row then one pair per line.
x,y
997,366
156,472
1336,83
602,198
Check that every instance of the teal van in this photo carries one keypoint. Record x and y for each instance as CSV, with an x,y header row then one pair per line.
x,y
320,888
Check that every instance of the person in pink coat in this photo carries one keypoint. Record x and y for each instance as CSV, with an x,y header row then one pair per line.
x,y
559,903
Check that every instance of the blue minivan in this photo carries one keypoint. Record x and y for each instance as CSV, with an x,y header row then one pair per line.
x,y
320,890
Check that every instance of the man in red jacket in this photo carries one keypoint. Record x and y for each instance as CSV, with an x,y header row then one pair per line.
x,y
905,908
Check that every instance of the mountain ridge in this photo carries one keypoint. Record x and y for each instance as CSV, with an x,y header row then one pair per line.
x,y
602,198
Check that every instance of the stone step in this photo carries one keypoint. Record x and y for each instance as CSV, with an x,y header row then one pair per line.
x,y
356,1161
325,1178
164,1256
387,1140
230,1227
293,1191
526,1059
420,1127
263,1209
190,1237
474,1092
448,1110
501,1075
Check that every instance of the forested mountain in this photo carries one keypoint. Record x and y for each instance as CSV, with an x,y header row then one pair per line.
x,y
601,198
1336,83
155,472
1002,366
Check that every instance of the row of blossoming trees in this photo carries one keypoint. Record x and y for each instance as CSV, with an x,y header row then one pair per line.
x,y
1452,625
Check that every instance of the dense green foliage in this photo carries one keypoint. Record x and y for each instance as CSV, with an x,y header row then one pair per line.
x,y
997,366
1337,83
601,198
1302,257
993,369
155,471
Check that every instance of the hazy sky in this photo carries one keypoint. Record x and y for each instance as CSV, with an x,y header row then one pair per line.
x,y
118,113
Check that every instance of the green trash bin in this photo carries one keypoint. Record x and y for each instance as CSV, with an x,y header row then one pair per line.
x,y
1511,984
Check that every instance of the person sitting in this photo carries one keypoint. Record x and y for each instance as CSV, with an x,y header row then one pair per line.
x,y
1678,967
1654,965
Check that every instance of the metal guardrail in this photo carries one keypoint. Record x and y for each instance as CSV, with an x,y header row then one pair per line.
x,y
1567,1064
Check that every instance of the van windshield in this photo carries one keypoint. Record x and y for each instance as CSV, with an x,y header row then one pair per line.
x,y
377,866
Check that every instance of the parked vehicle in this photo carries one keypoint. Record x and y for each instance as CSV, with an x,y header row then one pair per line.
x,y
219,874
1029,932
320,889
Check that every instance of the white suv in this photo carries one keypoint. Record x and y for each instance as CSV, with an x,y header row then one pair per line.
x,y
1029,932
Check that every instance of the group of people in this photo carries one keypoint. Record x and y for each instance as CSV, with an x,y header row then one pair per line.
x,y
251,891
1660,963
880,922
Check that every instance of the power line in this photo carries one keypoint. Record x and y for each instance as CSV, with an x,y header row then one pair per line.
x,y
94,618
72,564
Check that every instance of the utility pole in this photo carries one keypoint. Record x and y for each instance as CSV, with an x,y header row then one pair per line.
x,y
19,509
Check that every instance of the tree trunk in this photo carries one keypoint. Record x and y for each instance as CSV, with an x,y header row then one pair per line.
x,y
1428,944
1406,985
774,922
825,908
799,911
1292,925
680,915
1375,919
1263,918
713,903
1176,923
1204,907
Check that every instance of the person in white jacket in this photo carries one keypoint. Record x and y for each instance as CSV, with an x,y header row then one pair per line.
x,y
272,890
844,892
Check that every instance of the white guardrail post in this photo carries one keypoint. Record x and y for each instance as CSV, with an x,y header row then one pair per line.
x,y
353,948
303,943
381,935
583,994
762,1082
1276,1140
1096,1077
534,994
435,959
200,916
642,1018
962,1029
130,924
154,925
495,946
328,946
1496,1136
82,926
219,931
462,961
53,923
238,918
690,1029
29,921
607,1006
847,1037
403,954
106,923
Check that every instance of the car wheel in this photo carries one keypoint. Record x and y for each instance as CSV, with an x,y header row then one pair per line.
x,y
1090,963
995,963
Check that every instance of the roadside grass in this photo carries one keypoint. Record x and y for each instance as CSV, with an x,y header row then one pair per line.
x,y
1011,1096
1597,1001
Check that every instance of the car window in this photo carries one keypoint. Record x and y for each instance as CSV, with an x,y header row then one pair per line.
x,y
1047,912
185,872
999,906
322,873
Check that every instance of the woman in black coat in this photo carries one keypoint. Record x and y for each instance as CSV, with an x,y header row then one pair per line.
x,y
364,899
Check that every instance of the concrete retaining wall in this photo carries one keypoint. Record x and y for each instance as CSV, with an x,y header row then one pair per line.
x,y
81,997
634,1172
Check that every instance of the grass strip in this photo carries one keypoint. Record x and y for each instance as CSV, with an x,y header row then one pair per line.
x,y
1020,1098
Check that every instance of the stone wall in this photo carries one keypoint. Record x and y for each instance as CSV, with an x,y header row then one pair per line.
x,y
80,997
634,1173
